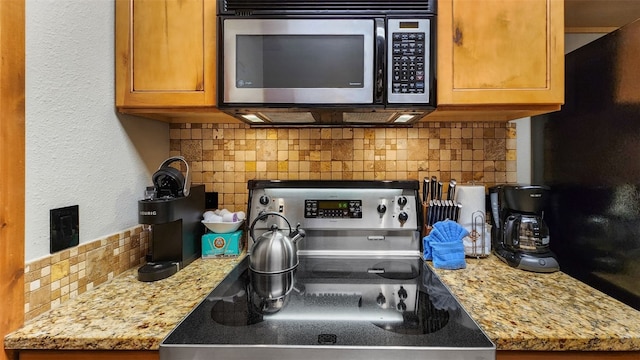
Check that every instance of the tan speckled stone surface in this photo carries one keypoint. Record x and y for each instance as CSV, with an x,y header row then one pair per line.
x,y
123,314
518,310
522,310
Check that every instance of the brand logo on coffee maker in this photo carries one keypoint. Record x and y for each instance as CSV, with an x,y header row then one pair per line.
x,y
148,213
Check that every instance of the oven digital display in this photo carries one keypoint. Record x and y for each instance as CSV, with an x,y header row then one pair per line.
x,y
333,204
341,209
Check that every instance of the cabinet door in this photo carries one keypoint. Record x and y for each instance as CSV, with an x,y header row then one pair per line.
x,y
165,53
500,52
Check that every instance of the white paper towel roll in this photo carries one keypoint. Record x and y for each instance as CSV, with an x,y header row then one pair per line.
x,y
472,198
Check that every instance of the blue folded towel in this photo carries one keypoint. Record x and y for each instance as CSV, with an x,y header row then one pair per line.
x,y
444,245
427,254
448,255
450,230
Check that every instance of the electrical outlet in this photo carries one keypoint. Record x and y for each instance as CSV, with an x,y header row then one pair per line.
x,y
64,228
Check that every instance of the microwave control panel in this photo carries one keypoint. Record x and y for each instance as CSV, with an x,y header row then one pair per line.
x,y
409,54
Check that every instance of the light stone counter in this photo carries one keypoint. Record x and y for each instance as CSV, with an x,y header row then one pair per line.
x,y
521,310
518,310
123,314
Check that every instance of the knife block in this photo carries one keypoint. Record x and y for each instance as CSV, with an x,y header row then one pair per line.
x,y
425,228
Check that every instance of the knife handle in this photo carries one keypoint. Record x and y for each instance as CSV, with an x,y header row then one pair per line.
x,y
451,190
434,187
425,189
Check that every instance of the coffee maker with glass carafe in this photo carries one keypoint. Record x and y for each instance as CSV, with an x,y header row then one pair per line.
x,y
519,234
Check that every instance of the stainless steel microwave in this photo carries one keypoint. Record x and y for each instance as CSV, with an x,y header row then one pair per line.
x,y
326,66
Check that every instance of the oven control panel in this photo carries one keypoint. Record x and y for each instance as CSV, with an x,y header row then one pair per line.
x,y
379,209
336,209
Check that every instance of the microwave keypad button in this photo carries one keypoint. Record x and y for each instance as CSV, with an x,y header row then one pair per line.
x,y
408,62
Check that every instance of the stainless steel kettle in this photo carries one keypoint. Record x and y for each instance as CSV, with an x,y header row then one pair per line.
x,y
274,251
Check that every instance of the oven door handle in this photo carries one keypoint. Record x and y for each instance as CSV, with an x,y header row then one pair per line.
x,y
380,60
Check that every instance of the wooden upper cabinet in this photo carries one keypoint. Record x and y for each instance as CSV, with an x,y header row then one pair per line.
x,y
496,59
165,53
500,58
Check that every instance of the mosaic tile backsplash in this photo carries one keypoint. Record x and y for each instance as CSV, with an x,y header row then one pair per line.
x,y
66,274
225,156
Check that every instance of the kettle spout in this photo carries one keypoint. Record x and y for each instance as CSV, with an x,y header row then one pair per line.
x,y
297,234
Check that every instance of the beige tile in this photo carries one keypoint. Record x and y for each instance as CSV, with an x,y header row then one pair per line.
x,y
60,270
471,151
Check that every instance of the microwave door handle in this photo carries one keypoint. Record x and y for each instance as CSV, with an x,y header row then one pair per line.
x,y
380,60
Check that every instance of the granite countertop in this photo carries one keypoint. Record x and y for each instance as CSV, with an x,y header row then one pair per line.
x,y
124,313
521,310
518,310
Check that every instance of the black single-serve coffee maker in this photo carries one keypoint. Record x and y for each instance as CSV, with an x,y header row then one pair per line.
x,y
173,211
519,235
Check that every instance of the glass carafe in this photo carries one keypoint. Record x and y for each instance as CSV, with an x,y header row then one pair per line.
x,y
527,233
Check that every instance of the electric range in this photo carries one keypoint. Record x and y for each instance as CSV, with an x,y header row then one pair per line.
x,y
360,291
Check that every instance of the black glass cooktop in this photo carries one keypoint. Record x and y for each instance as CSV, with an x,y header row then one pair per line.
x,y
331,302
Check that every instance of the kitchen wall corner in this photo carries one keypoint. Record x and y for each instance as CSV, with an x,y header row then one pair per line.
x,y
78,149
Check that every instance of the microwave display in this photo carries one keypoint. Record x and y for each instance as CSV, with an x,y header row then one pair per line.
x,y
299,61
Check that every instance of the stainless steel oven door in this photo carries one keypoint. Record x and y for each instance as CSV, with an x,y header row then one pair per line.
x,y
299,61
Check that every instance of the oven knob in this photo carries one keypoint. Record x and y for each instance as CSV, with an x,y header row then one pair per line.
x,y
403,217
402,201
402,306
381,300
264,200
382,208
402,293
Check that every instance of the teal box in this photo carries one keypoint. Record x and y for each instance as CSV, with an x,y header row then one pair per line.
x,y
216,245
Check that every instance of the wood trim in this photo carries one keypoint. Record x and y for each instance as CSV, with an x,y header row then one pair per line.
x,y
122,44
12,163
88,354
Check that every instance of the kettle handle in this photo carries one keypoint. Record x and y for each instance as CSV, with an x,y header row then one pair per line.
x,y
264,215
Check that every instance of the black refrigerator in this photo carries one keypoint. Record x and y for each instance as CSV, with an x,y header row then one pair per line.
x,y
589,153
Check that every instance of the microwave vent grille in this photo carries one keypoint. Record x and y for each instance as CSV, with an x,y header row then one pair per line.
x,y
367,117
244,7
289,117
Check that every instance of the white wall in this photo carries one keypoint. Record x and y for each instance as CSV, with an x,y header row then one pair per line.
x,y
523,150
78,150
